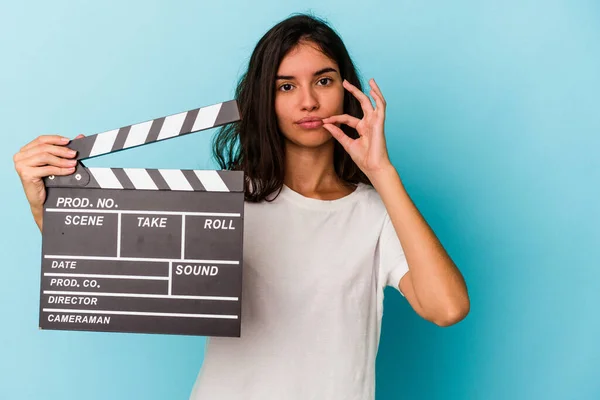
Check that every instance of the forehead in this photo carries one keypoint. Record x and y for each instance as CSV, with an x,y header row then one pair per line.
x,y
304,59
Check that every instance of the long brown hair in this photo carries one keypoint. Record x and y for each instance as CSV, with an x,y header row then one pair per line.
x,y
254,144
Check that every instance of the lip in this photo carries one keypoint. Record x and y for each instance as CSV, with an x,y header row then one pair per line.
x,y
310,122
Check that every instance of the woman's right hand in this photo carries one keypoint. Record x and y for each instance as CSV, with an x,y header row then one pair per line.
x,y
44,156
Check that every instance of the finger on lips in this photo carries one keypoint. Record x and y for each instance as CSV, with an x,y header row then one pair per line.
x,y
344,119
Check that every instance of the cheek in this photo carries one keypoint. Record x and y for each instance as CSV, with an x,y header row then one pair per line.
x,y
339,101
281,108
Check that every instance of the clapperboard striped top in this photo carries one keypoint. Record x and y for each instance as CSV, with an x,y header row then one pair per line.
x,y
156,130
166,179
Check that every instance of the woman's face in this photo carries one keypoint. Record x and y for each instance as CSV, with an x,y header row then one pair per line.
x,y
308,87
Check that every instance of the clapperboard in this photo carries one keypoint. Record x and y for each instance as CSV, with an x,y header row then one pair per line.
x,y
144,250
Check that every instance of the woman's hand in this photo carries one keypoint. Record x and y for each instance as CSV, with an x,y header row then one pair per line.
x,y
369,151
44,156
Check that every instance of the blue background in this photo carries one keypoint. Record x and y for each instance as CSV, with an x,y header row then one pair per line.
x,y
493,123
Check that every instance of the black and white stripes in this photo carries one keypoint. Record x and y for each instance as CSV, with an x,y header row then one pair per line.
x,y
166,179
156,129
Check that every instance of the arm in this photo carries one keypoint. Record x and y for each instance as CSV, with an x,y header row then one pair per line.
x,y
434,287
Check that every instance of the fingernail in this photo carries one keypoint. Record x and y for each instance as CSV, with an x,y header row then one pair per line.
x,y
72,162
65,140
72,152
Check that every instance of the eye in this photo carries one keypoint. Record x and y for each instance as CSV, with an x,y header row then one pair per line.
x,y
286,87
325,81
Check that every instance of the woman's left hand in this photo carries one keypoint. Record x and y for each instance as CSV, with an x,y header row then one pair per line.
x,y
369,151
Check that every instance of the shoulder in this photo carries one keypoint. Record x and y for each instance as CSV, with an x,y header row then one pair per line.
x,y
371,197
374,206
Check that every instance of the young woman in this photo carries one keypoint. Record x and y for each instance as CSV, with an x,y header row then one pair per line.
x,y
328,224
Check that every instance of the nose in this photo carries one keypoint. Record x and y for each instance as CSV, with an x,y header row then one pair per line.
x,y
309,100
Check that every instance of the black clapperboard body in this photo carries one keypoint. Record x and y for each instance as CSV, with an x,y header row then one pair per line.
x,y
144,250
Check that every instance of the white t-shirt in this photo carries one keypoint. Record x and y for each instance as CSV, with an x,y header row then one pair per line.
x,y
314,272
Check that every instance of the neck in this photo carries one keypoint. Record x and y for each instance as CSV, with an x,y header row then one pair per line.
x,y
310,171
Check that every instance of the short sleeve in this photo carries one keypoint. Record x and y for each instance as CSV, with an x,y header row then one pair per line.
x,y
392,261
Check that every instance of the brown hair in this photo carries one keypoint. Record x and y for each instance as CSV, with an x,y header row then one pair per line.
x,y
254,144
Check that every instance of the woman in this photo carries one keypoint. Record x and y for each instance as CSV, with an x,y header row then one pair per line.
x,y
328,224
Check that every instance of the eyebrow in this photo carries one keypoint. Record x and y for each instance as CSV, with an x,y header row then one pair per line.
x,y
319,72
